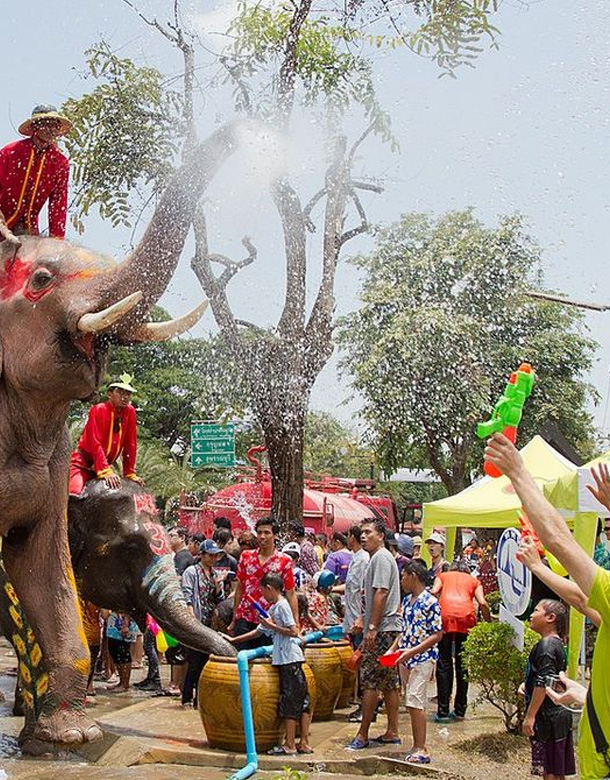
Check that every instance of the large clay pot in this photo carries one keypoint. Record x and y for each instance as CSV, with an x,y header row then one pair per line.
x,y
345,651
325,662
219,703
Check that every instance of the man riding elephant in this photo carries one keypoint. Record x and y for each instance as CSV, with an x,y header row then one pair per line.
x,y
33,172
110,433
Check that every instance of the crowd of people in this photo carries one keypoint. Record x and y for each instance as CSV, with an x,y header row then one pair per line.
x,y
370,580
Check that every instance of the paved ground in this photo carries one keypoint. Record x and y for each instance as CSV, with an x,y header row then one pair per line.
x,y
156,738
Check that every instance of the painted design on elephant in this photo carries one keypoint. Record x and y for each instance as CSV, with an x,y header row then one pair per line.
x,y
159,580
33,679
158,541
18,273
144,502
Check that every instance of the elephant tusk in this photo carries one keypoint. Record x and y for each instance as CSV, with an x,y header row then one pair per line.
x,y
94,322
161,331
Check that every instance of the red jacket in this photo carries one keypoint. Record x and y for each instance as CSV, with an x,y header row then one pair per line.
x,y
106,436
28,178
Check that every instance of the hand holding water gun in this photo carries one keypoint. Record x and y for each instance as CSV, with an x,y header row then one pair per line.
x,y
258,607
508,410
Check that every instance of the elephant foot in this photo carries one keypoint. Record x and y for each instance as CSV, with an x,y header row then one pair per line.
x,y
65,727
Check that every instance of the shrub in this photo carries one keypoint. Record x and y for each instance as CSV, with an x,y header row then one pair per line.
x,y
498,668
494,599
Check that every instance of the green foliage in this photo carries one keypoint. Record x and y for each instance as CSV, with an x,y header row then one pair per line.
x,y
328,64
498,668
443,321
494,599
289,773
331,448
125,136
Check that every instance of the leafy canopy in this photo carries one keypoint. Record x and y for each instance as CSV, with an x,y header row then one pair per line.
x,y
125,136
443,321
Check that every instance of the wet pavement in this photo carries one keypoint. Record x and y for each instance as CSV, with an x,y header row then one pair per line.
x,y
157,738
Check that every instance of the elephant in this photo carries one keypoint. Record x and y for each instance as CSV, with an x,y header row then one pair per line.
x,y
121,560
61,307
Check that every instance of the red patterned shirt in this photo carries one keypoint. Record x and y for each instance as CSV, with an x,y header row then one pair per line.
x,y
250,572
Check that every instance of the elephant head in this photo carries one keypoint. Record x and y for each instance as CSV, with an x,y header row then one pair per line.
x,y
61,305
121,559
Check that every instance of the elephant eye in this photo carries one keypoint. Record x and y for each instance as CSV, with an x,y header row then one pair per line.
x,y
41,279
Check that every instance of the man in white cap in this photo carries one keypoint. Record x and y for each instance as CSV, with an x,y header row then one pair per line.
x,y
110,432
32,172
436,548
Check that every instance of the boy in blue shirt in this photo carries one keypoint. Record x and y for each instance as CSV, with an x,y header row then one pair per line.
x,y
288,656
422,630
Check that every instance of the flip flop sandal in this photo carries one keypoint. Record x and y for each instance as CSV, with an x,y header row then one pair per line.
x,y
304,751
381,741
412,758
357,744
280,750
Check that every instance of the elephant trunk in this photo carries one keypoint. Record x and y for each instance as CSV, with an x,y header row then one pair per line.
x,y
165,601
151,265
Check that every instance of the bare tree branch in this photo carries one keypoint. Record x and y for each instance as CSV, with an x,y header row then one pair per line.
x,y
358,142
289,209
309,207
288,68
233,71
365,185
202,267
233,266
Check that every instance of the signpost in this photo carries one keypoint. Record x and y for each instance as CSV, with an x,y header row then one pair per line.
x,y
212,444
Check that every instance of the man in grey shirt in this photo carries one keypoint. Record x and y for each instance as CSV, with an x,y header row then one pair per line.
x,y
381,627
354,585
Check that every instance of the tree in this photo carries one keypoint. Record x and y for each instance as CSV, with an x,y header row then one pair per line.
x,y
443,321
331,448
281,59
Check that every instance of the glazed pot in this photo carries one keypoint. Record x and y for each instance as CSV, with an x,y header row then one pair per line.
x,y
325,663
219,703
348,676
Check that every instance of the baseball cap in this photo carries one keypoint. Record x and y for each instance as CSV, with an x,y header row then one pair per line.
x,y
292,547
209,546
405,545
436,537
417,540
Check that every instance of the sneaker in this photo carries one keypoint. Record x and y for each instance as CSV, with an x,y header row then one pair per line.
x,y
454,716
151,685
441,718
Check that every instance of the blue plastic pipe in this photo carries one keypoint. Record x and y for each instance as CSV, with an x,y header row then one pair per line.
x,y
243,666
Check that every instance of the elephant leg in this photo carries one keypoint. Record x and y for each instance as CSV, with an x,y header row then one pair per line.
x,y
38,564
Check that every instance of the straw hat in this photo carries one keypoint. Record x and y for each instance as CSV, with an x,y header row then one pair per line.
x,y
123,383
45,111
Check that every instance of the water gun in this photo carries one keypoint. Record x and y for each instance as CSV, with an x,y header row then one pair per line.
x,y
258,607
162,639
507,412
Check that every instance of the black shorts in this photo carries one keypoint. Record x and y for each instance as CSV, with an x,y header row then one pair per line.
x,y
294,694
120,651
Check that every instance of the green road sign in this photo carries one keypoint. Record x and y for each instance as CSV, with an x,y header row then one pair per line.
x,y
212,444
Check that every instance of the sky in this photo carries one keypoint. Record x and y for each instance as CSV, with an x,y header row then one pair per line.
x,y
526,130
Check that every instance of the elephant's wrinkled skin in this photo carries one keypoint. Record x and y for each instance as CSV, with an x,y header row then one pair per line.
x,y
53,350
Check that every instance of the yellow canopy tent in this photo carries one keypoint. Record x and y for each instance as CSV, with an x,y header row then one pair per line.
x,y
493,503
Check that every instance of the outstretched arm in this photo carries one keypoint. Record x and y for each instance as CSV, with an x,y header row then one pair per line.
x,y
564,588
548,523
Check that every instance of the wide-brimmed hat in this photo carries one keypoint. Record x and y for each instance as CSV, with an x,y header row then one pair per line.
x,y
45,111
123,383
